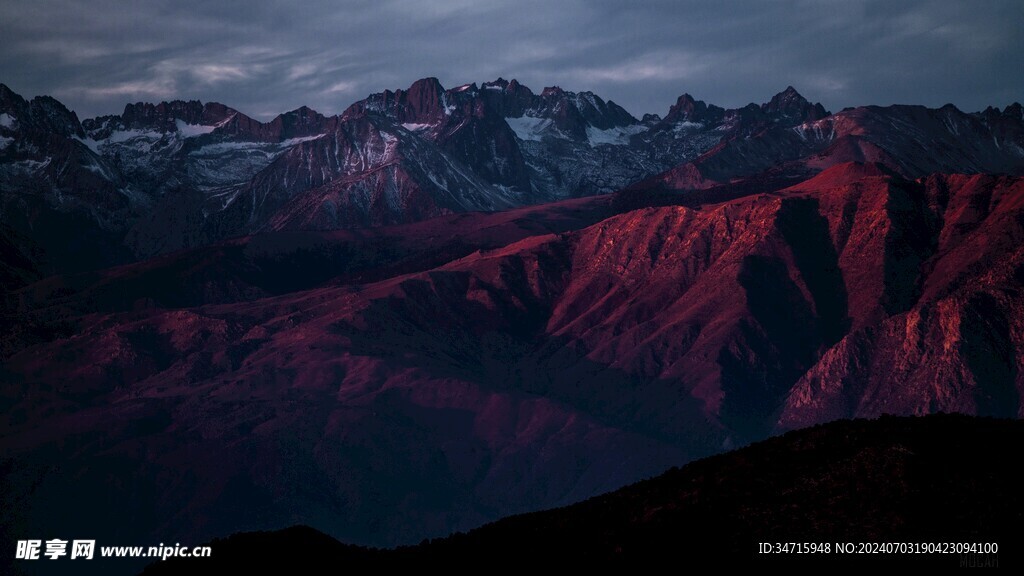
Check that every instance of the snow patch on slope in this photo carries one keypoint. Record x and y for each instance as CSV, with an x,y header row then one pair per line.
x,y
266,147
6,120
140,140
132,135
686,125
818,131
613,136
528,127
93,166
192,130
416,127
31,166
299,140
222,147
90,143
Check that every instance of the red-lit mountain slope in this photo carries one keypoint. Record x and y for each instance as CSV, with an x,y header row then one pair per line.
x,y
518,376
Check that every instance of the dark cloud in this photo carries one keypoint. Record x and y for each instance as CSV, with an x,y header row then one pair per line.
x,y
269,57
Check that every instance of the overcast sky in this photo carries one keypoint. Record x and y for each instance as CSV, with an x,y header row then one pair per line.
x,y
264,58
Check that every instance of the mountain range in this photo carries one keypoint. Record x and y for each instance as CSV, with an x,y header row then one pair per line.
x,y
442,307
181,174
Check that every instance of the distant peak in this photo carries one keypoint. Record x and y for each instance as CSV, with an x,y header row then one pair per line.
x,y
553,91
49,101
686,101
687,109
429,83
789,95
512,85
6,93
792,105
302,112
50,112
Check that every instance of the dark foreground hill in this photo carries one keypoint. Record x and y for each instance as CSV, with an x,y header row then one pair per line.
x,y
936,479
